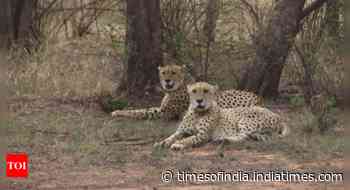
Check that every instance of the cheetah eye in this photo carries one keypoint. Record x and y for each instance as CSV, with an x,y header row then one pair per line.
x,y
205,91
163,73
194,91
173,72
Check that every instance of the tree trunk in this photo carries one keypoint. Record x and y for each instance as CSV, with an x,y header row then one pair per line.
x,y
212,14
272,49
143,47
16,22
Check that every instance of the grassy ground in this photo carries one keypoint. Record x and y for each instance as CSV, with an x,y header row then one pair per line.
x,y
74,146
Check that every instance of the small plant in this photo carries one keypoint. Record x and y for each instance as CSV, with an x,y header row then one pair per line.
x,y
310,123
109,104
323,108
118,104
297,101
332,103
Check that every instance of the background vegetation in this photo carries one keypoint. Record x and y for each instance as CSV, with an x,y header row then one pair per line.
x,y
59,57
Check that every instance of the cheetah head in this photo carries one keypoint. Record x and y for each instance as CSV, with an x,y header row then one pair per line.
x,y
171,77
202,96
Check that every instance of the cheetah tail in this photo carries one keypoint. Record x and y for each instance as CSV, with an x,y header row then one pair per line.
x,y
284,130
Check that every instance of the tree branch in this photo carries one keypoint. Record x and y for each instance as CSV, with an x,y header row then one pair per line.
x,y
312,7
252,11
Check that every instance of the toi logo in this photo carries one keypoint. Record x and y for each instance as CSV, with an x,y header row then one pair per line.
x,y
17,165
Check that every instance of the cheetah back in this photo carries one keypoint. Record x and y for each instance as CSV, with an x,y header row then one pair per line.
x,y
235,98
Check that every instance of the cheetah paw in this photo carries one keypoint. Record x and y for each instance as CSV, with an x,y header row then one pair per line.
x,y
177,147
163,144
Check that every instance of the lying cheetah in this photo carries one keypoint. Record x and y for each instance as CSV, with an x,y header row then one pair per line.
x,y
206,121
176,99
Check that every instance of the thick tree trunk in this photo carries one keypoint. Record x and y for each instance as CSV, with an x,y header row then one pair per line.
x,y
143,47
212,14
6,27
273,46
16,22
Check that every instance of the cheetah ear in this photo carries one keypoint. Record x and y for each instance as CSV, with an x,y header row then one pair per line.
x,y
160,67
189,88
183,67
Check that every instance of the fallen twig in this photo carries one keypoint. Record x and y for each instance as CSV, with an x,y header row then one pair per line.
x,y
49,132
130,141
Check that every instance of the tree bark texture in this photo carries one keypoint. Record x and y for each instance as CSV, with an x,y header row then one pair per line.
x,y
16,22
272,49
144,53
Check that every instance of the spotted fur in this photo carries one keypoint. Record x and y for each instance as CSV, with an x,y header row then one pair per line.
x,y
206,121
176,99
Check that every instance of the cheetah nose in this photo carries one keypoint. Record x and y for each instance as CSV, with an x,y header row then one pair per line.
x,y
199,101
167,80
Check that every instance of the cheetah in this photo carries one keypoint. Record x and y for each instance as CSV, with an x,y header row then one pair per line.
x,y
206,121
176,100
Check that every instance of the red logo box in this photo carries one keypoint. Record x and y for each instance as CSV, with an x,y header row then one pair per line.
x,y
17,165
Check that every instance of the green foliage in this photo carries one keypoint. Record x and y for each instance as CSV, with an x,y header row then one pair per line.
x,y
331,103
116,105
297,101
118,45
179,41
109,104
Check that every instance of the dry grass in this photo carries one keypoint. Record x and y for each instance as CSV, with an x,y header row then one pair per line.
x,y
76,68
90,145
84,67
66,65
87,148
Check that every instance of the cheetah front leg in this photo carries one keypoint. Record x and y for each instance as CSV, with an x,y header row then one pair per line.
x,y
185,127
149,113
192,141
202,136
170,140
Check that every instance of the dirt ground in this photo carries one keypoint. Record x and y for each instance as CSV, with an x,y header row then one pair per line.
x,y
73,146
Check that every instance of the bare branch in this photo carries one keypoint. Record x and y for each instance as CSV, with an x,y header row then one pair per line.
x,y
312,7
252,11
